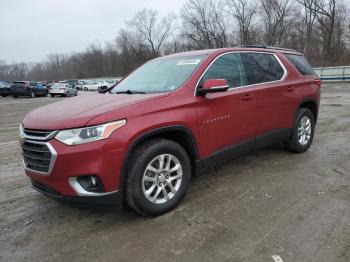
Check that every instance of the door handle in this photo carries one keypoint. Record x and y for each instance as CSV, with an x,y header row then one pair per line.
x,y
290,88
247,97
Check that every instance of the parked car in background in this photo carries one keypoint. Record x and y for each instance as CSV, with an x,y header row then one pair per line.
x,y
172,117
5,89
80,84
75,82
108,84
63,89
50,83
28,89
92,86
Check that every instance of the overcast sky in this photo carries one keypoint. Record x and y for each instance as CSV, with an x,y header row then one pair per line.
x,y
32,29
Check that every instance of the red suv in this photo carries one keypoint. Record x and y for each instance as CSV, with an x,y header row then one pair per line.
x,y
140,143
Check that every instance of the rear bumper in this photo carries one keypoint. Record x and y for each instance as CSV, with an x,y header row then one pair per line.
x,y
63,92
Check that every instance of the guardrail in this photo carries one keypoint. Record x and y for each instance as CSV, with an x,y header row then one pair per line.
x,y
334,73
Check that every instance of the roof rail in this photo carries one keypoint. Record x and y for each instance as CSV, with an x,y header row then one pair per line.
x,y
268,47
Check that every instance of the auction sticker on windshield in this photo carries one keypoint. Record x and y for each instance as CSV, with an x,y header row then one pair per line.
x,y
189,62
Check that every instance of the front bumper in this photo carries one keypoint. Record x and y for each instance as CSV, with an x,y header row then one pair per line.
x,y
114,199
101,159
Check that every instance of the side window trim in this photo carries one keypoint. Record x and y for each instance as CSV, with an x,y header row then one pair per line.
x,y
285,72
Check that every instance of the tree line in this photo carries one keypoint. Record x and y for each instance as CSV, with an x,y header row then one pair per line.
x,y
318,28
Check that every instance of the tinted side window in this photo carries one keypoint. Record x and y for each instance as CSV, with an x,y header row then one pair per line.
x,y
301,64
229,67
261,68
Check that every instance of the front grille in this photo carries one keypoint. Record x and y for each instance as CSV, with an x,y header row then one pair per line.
x,y
38,134
38,156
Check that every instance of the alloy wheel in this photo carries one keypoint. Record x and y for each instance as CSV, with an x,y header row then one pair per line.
x,y
162,178
304,130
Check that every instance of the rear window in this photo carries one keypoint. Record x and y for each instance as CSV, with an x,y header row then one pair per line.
x,y
301,64
21,84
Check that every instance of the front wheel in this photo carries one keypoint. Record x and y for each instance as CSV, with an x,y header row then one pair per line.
x,y
158,177
303,131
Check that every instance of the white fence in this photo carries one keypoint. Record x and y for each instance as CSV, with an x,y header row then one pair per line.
x,y
335,73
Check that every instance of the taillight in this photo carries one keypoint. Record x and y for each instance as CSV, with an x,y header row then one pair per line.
x,y
318,82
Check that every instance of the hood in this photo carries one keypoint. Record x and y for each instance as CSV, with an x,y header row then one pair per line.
x,y
78,111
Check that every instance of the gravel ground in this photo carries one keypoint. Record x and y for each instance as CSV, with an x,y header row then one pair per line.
x,y
268,203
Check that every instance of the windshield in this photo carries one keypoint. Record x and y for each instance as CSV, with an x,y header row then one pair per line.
x,y
160,75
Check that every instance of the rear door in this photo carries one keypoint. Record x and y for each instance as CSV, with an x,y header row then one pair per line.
x,y
266,73
227,118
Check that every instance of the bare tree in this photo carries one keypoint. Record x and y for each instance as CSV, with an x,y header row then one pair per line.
x,y
330,14
276,17
152,30
204,24
318,28
244,12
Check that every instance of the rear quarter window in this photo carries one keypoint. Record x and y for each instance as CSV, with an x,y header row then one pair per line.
x,y
261,68
301,64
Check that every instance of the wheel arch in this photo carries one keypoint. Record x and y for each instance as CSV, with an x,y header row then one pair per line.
x,y
310,104
179,134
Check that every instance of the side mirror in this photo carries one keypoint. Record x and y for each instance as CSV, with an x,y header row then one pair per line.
x,y
213,86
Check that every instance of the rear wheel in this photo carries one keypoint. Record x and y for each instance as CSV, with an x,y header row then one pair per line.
x,y
158,177
303,131
52,95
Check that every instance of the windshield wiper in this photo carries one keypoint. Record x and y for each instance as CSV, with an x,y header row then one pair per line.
x,y
129,92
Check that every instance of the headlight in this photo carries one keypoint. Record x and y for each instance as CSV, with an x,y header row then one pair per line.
x,y
88,134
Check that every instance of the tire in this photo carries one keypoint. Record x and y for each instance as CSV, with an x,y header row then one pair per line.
x,y
303,119
52,95
86,89
76,93
15,96
149,153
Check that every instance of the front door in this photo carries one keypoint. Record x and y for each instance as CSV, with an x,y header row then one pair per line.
x,y
226,119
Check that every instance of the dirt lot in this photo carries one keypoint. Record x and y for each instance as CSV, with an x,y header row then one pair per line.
x,y
267,203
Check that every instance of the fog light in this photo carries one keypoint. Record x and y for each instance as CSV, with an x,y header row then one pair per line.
x,y
93,180
91,183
